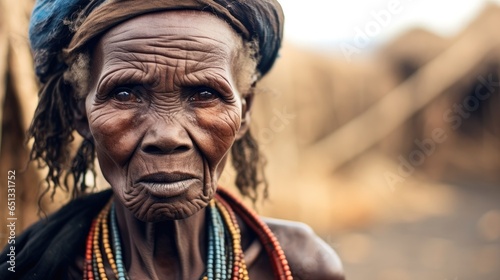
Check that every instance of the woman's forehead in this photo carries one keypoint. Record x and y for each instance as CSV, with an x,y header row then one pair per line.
x,y
177,24
155,46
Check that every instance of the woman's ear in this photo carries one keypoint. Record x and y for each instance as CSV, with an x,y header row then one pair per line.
x,y
81,121
246,105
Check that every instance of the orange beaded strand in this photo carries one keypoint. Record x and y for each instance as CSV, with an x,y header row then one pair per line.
x,y
93,248
88,274
240,271
280,264
107,245
97,248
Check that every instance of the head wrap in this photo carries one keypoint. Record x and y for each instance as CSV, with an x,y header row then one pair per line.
x,y
59,29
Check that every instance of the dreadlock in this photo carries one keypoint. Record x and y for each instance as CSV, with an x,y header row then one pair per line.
x,y
249,165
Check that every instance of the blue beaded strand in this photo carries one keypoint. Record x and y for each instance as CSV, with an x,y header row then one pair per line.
x,y
217,265
94,267
222,245
217,245
210,257
218,261
122,275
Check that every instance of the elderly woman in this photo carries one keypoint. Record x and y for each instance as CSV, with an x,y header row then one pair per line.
x,y
160,91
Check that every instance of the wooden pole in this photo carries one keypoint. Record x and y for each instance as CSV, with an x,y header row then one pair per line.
x,y
402,103
18,99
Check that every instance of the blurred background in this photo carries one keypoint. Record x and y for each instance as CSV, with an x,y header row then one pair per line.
x,y
380,123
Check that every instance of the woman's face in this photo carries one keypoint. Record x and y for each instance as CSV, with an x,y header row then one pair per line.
x,y
163,110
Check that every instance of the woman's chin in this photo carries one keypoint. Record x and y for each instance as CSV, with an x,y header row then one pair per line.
x,y
162,216
152,209
158,202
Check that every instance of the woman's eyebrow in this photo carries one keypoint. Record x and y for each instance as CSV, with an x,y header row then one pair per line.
x,y
218,80
125,77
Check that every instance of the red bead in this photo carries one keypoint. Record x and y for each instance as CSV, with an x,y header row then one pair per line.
x,y
264,233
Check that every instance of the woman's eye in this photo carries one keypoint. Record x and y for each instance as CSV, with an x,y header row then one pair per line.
x,y
123,95
203,96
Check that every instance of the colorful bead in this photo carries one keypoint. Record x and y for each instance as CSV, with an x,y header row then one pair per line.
x,y
122,275
107,246
234,230
225,258
97,256
88,274
265,235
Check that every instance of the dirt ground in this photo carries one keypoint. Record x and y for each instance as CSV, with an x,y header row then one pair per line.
x,y
461,245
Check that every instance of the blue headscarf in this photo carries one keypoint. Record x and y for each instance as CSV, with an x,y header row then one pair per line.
x,y
50,31
54,23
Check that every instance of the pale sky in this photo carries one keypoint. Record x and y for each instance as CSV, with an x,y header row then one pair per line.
x,y
329,22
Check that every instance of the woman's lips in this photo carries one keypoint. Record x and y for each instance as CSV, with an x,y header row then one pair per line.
x,y
166,185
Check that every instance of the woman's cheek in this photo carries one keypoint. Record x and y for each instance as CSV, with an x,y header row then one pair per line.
x,y
219,127
115,132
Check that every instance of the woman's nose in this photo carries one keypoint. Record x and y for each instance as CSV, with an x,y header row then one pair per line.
x,y
166,137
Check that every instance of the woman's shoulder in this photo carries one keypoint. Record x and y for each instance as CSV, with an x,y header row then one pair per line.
x,y
308,255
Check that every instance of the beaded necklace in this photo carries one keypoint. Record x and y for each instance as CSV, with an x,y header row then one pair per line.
x,y
225,259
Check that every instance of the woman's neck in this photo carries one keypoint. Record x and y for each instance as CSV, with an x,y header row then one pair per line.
x,y
164,250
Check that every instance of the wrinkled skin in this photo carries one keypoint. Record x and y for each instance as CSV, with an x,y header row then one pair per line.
x,y
164,110
164,106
